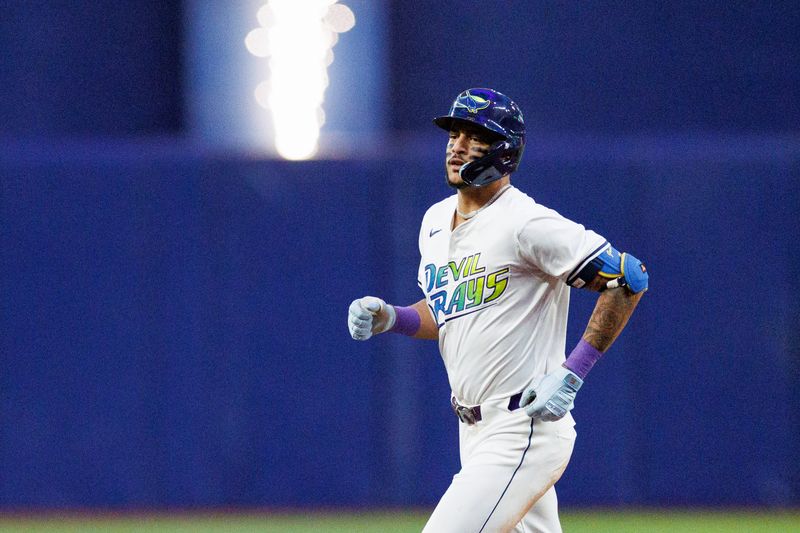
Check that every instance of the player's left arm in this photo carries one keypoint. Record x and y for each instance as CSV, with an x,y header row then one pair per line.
x,y
610,316
621,280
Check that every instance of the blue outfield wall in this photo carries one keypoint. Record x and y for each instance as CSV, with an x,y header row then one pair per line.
x,y
174,332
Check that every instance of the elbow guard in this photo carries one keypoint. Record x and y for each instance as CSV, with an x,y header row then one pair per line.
x,y
621,269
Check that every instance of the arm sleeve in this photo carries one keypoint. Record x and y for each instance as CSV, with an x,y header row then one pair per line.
x,y
556,245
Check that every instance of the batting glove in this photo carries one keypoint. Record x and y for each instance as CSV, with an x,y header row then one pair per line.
x,y
369,316
552,396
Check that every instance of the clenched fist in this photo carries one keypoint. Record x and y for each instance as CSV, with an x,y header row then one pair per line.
x,y
368,316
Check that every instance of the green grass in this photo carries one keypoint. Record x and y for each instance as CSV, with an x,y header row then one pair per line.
x,y
681,521
573,522
233,523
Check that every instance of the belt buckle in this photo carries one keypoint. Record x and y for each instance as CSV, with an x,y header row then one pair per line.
x,y
464,414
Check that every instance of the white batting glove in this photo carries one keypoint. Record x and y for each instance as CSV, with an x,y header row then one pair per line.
x,y
552,396
369,316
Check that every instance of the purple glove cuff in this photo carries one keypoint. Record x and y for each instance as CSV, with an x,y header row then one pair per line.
x,y
407,322
582,358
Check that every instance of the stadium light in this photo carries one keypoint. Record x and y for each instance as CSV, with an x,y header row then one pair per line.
x,y
298,38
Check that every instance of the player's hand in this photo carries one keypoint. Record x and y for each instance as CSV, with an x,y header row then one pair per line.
x,y
369,316
552,396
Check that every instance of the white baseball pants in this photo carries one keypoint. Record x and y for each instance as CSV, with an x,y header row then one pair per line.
x,y
509,466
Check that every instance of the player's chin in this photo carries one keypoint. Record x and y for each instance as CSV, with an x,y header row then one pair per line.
x,y
454,180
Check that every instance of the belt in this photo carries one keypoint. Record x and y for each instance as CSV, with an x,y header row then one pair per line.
x,y
472,415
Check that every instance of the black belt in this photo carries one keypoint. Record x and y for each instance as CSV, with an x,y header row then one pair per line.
x,y
472,415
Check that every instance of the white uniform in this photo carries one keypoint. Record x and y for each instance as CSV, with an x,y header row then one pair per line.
x,y
496,288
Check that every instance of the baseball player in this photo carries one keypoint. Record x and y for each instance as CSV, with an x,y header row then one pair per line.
x,y
496,270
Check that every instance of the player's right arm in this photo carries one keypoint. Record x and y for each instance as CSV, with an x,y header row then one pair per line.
x,y
427,327
369,316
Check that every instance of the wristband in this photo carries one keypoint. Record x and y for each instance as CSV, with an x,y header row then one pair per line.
x,y
407,322
582,358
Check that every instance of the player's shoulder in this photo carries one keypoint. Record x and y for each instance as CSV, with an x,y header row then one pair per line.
x,y
437,216
520,204
541,222
527,215
443,207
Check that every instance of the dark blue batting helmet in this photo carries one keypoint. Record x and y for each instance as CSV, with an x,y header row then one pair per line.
x,y
497,113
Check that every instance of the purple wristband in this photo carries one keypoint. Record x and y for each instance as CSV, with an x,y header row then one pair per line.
x,y
583,358
407,322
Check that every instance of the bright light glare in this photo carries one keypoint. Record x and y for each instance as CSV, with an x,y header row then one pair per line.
x,y
265,16
262,94
298,37
257,42
340,18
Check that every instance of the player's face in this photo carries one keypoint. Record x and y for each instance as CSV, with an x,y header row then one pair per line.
x,y
466,144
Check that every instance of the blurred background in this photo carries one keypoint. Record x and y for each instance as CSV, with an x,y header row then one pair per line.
x,y
192,192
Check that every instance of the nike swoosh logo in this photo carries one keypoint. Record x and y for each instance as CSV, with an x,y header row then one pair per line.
x,y
434,232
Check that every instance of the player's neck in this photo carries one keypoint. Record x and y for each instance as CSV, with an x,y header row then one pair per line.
x,y
471,199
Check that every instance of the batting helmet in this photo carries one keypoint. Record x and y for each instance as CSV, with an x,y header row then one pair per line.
x,y
497,113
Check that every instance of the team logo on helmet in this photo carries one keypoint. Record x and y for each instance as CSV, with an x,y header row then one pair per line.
x,y
471,103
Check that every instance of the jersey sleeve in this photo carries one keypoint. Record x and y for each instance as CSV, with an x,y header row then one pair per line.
x,y
556,245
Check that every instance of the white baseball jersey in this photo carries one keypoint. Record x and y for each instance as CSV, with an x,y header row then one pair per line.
x,y
496,288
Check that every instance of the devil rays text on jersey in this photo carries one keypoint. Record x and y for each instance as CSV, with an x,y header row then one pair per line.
x,y
462,287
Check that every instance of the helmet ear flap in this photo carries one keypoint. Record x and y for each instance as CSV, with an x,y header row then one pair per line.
x,y
502,159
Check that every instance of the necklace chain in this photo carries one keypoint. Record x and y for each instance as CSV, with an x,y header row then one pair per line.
x,y
467,216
